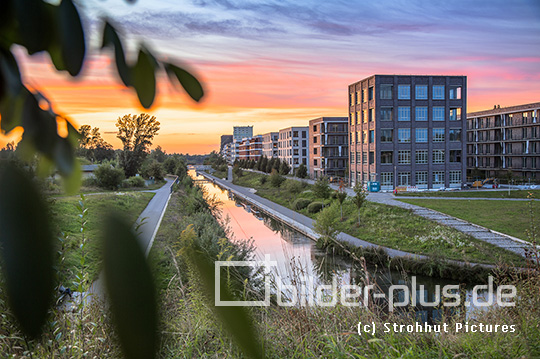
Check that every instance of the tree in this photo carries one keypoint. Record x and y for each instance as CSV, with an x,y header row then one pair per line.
x,y
301,171
158,154
92,145
326,225
136,134
276,179
109,177
321,188
360,196
284,169
341,195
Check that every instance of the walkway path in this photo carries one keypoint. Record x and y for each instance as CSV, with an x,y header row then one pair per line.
x,y
501,240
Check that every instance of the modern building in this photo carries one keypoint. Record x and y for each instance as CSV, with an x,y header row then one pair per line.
x,y
328,147
502,140
241,132
408,130
270,144
293,146
225,139
250,148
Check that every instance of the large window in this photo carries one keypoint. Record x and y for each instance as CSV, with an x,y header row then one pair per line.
x,y
365,116
455,114
386,113
358,157
438,113
404,178
421,113
421,135
371,157
386,92
364,157
421,178
438,135
438,156
454,93
371,115
387,135
370,93
364,136
371,136
421,92
387,157
404,157
404,92
404,135
454,177
438,177
454,134
438,92
421,157
387,179
455,156
404,113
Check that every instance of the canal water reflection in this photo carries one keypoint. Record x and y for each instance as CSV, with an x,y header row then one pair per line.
x,y
297,255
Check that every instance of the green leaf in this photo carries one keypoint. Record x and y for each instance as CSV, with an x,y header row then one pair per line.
x,y
72,181
192,86
35,27
235,319
130,290
144,78
71,36
26,246
110,37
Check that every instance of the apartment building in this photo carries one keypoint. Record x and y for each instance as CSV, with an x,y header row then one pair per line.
x,y
328,147
270,144
241,132
502,140
408,130
250,148
293,146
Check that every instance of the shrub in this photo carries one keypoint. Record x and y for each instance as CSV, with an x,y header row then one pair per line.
x,y
293,186
263,179
135,181
314,207
301,203
108,176
321,188
276,179
284,168
301,171
89,181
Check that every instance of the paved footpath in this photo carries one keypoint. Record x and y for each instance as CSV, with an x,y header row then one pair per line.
x,y
501,240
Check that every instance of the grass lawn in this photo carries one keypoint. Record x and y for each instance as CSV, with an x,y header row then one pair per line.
x,y
475,194
66,220
510,217
392,226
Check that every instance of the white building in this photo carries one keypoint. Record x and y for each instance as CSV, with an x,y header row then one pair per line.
x,y
293,146
270,144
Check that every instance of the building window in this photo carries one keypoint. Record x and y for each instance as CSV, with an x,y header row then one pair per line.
x,y
371,157
420,178
421,135
387,179
454,93
364,136
371,113
404,135
421,92
314,150
370,93
421,157
314,139
404,157
387,157
438,135
304,134
386,92
364,116
371,136
438,177
364,95
454,134
455,156
387,135
315,162
438,113
358,157
438,92
314,128
454,177
455,114
421,113
386,113
438,156
404,178
404,92
304,152
364,157
357,117
404,113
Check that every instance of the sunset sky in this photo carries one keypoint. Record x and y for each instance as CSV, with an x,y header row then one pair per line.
x,y
273,64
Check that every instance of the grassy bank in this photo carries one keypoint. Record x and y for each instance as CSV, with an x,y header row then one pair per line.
x,y
389,226
66,218
474,194
510,217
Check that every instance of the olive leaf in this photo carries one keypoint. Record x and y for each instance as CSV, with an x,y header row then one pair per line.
x,y
192,86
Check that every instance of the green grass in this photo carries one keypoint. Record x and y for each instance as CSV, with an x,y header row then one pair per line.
x,y
394,227
220,174
66,220
474,194
509,217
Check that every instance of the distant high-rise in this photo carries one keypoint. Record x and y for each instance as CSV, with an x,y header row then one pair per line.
x,y
224,140
408,130
241,132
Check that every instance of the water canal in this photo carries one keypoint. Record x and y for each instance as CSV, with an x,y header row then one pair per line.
x,y
297,258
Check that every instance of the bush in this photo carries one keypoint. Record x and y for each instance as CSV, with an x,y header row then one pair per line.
x,y
301,171
314,207
293,186
89,181
263,179
108,176
321,188
276,179
135,181
301,203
